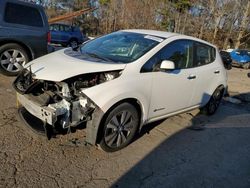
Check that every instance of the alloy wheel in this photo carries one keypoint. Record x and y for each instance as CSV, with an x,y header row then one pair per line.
x,y
215,101
119,129
73,44
12,60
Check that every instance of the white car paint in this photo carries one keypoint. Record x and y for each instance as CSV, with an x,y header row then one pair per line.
x,y
171,91
58,66
207,80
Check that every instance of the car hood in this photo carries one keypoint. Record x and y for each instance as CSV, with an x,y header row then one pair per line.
x,y
65,64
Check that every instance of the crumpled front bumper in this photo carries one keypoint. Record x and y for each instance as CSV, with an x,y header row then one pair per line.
x,y
44,113
49,116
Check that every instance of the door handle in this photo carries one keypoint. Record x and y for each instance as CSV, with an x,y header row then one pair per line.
x,y
191,77
216,72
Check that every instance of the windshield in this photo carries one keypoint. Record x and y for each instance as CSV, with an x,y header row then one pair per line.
x,y
120,47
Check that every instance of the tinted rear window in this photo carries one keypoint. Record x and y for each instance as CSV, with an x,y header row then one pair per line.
x,y
24,15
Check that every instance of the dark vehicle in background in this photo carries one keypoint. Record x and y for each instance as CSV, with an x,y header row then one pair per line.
x,y
66,35
24,35
241,58
226,58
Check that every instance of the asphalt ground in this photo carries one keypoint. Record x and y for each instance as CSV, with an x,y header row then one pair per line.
x,y
187,150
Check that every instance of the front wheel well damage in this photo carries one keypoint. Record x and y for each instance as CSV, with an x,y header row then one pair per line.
x,y
131,101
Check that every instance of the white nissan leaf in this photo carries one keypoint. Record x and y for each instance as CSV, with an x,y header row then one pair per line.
x,y
119,82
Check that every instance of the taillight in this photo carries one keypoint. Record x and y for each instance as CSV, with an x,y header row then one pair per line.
x,y
48,37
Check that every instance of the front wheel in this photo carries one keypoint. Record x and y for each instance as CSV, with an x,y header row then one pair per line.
x,y
119,128
214,102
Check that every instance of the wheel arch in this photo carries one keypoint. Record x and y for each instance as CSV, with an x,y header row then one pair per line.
x,y
73,39
219,86
222,87
26,48
133,101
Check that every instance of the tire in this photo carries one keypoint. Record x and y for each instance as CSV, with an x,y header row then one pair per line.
x,y
12,59
229,66
246,66
211,107
120,127
73,43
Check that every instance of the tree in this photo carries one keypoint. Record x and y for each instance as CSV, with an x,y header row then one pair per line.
x,y
243,25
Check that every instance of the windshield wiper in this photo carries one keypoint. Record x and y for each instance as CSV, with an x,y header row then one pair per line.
x,y
98,57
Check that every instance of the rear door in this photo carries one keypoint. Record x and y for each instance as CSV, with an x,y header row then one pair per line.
x,y
55,33
207,72
65,33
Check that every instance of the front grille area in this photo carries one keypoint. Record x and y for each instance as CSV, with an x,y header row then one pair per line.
x,y
24,82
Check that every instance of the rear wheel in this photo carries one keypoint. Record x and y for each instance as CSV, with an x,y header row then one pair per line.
x,y
119,128
214,102
73,43
12,59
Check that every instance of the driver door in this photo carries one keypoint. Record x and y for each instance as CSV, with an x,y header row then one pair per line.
x,y
172,90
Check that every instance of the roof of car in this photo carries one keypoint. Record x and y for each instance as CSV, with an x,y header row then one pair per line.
x,y
162,34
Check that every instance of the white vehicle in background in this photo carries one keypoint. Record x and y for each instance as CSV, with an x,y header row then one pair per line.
x,y
121,81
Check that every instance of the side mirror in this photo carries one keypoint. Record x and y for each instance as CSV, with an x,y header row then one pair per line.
x,y
167,65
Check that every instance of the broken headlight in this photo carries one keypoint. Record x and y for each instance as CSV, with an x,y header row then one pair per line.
x,y
92,79
24,82
107,76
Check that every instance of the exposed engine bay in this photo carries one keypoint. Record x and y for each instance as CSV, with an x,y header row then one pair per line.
x,y
59,103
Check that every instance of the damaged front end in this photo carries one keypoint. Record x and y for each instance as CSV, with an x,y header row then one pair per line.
x,y
59,105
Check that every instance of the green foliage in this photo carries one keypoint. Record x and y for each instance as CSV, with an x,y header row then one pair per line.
x,y
181,5
104,2
167,13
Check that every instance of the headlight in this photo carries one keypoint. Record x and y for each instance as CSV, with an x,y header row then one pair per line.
x,y
111,75
92,79
25,81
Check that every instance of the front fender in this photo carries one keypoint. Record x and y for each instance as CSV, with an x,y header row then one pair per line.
x,y
110,93
107,94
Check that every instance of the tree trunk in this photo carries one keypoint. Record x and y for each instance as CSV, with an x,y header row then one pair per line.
x,y
202,28
216,28
176,26
225,45
243,26
184,23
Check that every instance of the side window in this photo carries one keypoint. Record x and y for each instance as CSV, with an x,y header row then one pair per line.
x,y
51,28
204,54
24,15
67,28
56,27
61,28
180,52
